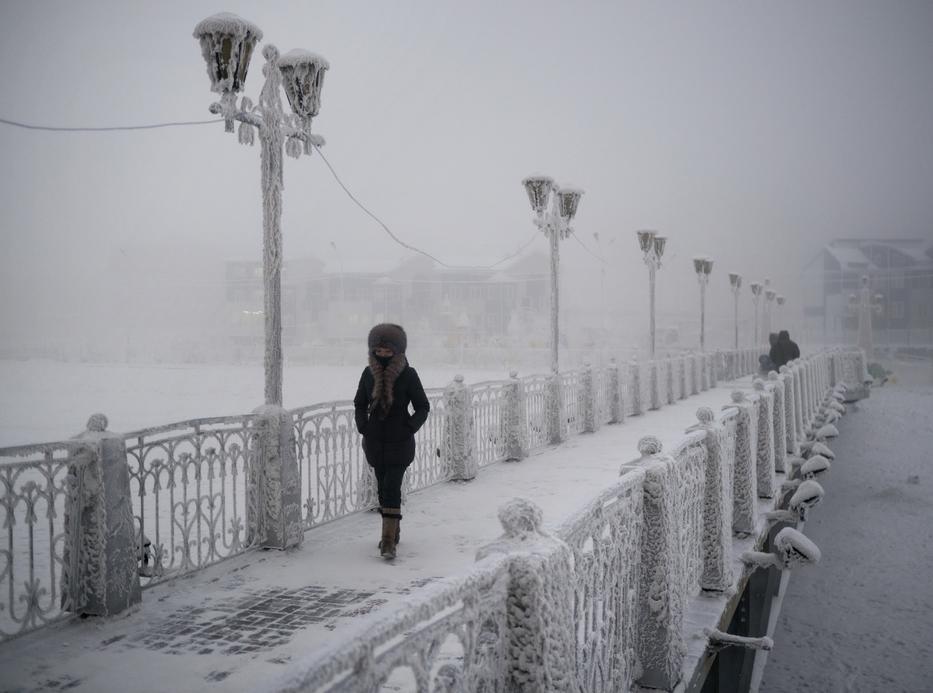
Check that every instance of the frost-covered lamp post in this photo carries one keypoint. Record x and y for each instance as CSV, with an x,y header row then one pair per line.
x,y
769,300
756,299
735,283
864,305
703,267
554,209
652,246
227,43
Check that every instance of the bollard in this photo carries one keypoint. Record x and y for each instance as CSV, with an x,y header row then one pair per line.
x,y
458,431
99,567
273,492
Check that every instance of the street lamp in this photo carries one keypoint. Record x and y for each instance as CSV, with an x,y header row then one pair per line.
x,y
554,209
756,288
652,247
769,299
864,305
227,43
735,283
703,266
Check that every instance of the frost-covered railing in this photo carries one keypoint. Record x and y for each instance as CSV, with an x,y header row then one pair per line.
x,y
614,580
189,487
197,487
453,639
36,481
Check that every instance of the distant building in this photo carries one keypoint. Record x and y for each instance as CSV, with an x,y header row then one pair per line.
x,y
900,269
324,305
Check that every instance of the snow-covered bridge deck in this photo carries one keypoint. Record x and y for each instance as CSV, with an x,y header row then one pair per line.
x,y
242,623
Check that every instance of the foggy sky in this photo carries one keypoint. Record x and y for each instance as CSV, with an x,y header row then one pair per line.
x,y
752,132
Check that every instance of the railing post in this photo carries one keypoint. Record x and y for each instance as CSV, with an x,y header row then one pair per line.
x,y
635,387
458,430
780,426
514,419
717,508
661,644
695,380
539,615
616,395
745,476
590,424
715,364
670,379
555,409
274,492
100,566
682,368
801,423
765,450
654,386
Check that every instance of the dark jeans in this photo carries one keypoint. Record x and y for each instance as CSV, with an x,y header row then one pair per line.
x,y
389,480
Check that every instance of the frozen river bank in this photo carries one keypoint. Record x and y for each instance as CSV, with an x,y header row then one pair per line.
x,y
49,400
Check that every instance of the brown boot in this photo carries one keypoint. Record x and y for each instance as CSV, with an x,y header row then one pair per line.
x,y
398,532
390,531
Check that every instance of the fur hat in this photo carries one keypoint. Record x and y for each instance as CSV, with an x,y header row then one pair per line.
x,y
388,335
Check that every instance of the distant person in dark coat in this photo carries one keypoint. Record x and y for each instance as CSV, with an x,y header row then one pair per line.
x,y
785,351
766,361
387,386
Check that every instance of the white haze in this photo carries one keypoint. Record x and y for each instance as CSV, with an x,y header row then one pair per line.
x,y
751,132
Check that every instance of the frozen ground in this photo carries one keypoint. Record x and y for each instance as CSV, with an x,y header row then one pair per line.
x,y
862,620
49,400
240,624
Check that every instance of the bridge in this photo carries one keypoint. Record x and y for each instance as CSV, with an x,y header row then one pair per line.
x,y
598,530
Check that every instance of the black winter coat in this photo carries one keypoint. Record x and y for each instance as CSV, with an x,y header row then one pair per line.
x,y
391,440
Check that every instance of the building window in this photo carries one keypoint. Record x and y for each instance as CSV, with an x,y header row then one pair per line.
x,y
897,310
897,281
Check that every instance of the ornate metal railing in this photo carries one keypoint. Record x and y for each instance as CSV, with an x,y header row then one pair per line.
x,y
334,476
572,391
536,404
603,384
453,638
489,438
430,466
188,483
605,537
36,481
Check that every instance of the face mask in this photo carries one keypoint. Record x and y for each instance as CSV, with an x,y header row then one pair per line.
x,y
384,360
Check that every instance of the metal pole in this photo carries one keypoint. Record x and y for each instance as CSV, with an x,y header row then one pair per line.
x,y
555,300
756,323
271,137
702,316
735,295
652,269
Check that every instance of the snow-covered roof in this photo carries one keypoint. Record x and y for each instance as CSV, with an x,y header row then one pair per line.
x,y
229,23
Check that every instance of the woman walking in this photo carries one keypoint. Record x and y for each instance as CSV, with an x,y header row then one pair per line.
x,y
387,386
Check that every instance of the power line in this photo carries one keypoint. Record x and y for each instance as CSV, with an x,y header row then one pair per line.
x,y
586,248
151,126
403,243
49,128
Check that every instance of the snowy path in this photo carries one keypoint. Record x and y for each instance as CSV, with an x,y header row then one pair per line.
x,y
238,624
862,620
